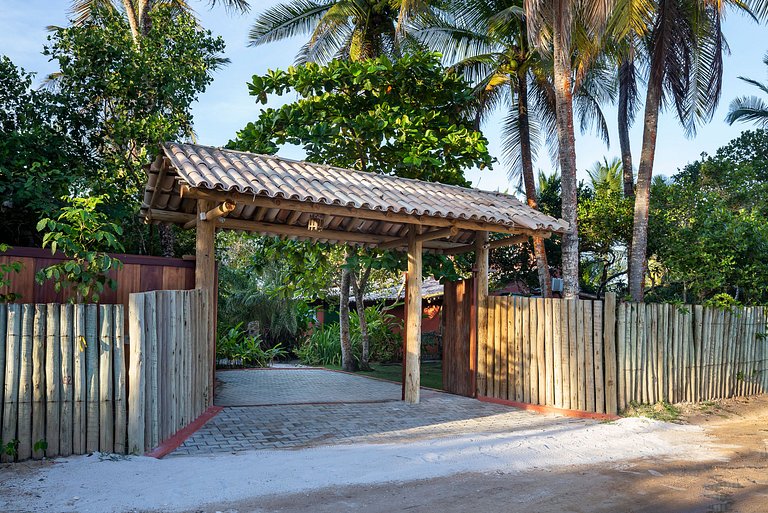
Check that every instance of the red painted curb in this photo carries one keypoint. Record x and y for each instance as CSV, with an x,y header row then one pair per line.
x,y
550,409
168,446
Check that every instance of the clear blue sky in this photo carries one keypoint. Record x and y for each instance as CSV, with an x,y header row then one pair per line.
x,y
226,106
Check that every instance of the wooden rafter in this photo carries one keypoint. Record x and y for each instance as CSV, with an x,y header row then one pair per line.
x,y
500,243
440,233
361,213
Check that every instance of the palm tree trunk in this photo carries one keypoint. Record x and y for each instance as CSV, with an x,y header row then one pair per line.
x,y
133,20
539,250
347,359
567,143
625,75
637,259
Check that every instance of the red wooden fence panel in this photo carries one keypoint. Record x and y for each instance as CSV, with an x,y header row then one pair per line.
x,y
139,274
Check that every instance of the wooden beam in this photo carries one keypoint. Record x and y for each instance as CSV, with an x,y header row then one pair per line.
x,y
413,316
300,231
215,213
423,237
481,300
362,213
158,162
500,243
205,279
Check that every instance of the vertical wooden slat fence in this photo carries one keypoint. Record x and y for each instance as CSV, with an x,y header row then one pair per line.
x,y
170,360
600,357
558,353
690,353
52,359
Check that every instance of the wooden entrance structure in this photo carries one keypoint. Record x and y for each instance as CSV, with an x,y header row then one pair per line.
x,y
210,188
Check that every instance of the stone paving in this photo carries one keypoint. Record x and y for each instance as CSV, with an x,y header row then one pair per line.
x,y
295,426
262,387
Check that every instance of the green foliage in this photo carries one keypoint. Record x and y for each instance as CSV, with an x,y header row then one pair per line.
x,y
129,97
5,271
238,348
40,445
11,448
399,117
383,329
43,152
83,234
662,411
323,345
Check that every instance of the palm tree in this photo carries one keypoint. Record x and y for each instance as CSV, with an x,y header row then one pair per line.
x,y
606,174
750,108
685,46
551,25
137,11
488,42
350,29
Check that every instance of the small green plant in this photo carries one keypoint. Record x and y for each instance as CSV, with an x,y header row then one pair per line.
x,y
11,448
723,301
237,348
83,234
5,272
662,411
40,445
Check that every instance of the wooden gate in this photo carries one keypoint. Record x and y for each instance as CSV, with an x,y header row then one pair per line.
x,y
459,338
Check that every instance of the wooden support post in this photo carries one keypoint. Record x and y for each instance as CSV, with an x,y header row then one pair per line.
x,y
205,279
413,328
609,352
481,289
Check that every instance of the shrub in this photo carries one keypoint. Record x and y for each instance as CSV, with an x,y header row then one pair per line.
x,y
323,345
238,348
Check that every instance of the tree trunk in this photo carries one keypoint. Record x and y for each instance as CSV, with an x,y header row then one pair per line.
x,y
626,74
539,250
567,143
347,358
637,258
359,286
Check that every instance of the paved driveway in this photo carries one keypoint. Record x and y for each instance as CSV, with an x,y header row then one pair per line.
x,y
296,408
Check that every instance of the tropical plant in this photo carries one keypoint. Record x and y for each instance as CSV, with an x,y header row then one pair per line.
x,y
138,13
237,348
83,234
551,26
685,46
322,346
750,108
488,42
383,332
345,29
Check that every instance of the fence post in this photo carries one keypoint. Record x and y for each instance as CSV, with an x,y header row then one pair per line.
x,y
11,390
38,380
609,352
136,380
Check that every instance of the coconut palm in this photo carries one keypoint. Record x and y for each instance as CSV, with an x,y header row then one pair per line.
x,y
605,174
685,47
551,25
750,108
137,11
351,29
488,41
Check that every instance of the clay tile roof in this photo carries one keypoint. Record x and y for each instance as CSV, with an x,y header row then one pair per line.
x,y
218,169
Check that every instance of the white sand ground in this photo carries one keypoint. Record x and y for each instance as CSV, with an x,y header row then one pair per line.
x,y
97,484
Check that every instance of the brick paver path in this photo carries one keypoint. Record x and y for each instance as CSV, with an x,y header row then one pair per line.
x,y
298,386
245,428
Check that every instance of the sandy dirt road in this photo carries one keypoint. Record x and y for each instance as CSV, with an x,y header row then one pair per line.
x,y
716,462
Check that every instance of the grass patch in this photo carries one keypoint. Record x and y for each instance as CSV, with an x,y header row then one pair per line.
x,y
431,373
662,411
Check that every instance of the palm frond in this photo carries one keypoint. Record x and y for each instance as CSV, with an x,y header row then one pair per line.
x,y
83,10
748,109
286,20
